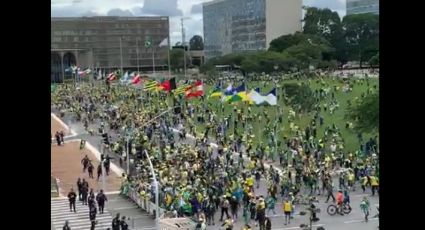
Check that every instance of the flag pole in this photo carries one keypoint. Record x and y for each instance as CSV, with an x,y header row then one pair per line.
x,y
137,49
153,60
169,62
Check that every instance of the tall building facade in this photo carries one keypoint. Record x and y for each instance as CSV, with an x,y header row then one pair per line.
x,y
99,42
362,6
247,25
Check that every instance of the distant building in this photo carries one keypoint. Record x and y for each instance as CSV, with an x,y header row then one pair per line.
x,y
362,6
247,25
95,42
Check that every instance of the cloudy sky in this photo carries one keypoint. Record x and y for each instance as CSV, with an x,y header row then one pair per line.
x,y
175,9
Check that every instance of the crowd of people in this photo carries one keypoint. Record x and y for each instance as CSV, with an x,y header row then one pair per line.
x,y
198,180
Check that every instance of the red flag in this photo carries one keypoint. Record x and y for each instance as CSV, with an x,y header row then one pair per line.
x,y
196,91
136,80
112,76
166,85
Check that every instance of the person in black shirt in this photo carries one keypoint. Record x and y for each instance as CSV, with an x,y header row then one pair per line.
x,y
66,226
101,198
84,191
58,139
92,216
116,222
72,196
85,162
123,224
91,200
80,188
61,135
90,170
99,171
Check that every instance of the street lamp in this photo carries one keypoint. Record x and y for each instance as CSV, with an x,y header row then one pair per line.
x,y
183,43
276,67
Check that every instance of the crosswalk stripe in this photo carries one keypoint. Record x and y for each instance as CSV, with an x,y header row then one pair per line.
x,y
60,212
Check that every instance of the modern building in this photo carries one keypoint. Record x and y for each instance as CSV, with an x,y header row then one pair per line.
x,y
362,6
100,42
247,25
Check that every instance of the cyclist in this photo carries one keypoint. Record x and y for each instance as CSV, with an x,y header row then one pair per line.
x,y
339,201
347,199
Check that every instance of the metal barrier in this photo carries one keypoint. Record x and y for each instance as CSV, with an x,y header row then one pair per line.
x,y
143,203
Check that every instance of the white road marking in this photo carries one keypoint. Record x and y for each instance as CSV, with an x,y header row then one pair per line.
x,y
314,225
359,221
126,207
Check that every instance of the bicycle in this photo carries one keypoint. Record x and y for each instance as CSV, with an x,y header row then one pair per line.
x,y
333,209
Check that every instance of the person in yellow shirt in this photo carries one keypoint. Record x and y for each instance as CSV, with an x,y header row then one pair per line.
x,y
375,184
287,209
364,183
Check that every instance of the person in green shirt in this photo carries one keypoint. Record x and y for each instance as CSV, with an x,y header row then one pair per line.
x,y
365,207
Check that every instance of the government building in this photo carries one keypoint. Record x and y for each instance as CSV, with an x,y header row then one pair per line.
x,y
108,43
232,26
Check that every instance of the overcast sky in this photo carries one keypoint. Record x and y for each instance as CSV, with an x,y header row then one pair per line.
x,y
175,9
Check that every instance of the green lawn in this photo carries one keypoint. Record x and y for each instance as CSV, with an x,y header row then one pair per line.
x,y
338,117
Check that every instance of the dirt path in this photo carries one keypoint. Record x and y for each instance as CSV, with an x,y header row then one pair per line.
x,y
66,165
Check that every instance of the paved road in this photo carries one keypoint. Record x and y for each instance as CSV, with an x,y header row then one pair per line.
x,y
352,221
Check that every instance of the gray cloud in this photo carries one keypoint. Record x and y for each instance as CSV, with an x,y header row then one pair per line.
x,y
196,9
119,12
161,8
90,13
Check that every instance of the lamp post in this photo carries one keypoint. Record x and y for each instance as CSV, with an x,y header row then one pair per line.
x,y
183,43
276,67
121,55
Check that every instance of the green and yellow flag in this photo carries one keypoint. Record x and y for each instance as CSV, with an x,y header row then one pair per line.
x,y
151,85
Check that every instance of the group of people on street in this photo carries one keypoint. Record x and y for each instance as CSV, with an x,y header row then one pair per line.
x,y
197,179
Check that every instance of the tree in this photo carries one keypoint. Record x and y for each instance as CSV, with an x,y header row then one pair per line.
x,y
374,61
285,41
299,97
176,59
361,36
365,114
327,24
196,43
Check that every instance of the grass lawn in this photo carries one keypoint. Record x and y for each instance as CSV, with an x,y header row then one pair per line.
x,y
351,142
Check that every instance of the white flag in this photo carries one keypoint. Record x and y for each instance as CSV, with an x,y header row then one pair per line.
x,y
164,42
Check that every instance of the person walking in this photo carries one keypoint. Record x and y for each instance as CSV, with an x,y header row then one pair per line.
x,y
99,171
123,224
365,207
66,226
329,188
90,169
72,197
271,204
101,199
80,188
287,209
85,162
92,216
58,138
116,222
225,208
84,191
374,182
